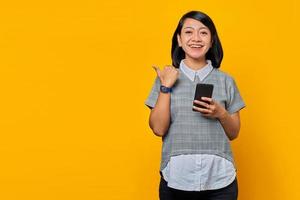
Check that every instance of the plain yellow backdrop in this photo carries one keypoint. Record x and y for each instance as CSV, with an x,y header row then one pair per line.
x,y
74,76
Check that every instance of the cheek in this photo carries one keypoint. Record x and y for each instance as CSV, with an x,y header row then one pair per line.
x,y
210,41
185,39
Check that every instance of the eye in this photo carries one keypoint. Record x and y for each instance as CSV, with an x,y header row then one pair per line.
x,y
188,32
203,33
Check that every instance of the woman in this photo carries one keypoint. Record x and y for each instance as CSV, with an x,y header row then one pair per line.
x,y
197,162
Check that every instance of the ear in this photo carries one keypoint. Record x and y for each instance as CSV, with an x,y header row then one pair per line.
x,y
179,40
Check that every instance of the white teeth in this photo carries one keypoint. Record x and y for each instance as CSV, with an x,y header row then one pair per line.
x,y
196,46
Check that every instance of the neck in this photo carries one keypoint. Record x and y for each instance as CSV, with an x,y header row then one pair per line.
x,y
195,64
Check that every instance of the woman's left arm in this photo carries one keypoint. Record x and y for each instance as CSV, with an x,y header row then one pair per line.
x,y
231,124
212,109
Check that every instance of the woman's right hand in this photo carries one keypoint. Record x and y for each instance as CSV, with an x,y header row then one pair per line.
x,y
167,76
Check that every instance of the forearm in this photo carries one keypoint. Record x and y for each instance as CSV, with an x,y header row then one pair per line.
x,y
159,120
231,124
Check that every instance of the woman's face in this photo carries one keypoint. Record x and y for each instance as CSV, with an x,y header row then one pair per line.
x,y
195,39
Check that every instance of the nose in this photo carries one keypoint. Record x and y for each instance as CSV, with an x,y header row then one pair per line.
x,y
196,37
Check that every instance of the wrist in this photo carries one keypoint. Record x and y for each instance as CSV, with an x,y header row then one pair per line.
x,y
165,89
223,115
167,84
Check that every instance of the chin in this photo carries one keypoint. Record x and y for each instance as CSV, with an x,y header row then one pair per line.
x,y
196,56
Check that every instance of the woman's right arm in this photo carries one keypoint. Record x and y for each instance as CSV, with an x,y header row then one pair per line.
x,y
159,119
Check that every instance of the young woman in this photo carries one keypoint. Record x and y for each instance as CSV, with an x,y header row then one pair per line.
x,y
197,162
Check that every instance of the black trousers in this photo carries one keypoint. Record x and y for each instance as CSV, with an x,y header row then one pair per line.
x,y
229,192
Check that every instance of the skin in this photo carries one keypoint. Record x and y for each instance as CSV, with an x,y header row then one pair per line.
x,y
193,34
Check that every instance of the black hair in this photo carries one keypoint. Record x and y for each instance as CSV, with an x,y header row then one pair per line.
x,y
215,53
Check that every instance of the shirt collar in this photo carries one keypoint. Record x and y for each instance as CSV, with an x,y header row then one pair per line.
x,y
201,73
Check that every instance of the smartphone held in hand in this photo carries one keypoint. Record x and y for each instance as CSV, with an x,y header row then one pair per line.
x,y
203,90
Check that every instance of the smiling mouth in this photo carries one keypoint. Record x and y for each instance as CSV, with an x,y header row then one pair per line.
x,y
196,46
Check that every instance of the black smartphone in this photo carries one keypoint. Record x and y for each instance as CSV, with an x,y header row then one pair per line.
x,y
203,90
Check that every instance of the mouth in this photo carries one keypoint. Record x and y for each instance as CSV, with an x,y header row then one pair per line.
x,y
196,46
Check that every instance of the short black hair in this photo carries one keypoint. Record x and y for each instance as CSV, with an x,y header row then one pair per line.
x,y
215,53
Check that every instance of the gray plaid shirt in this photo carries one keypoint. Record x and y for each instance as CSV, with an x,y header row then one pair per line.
x,y
189,131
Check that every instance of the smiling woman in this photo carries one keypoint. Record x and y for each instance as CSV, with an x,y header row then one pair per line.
x,y
195,40
198,30
197,162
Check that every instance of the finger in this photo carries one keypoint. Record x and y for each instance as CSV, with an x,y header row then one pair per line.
x,y
155,67
209,100
202,103
207,115
175,70
169,67
158,72
202,110
207,112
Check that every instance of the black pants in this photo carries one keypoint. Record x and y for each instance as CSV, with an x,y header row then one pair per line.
x,y
229,192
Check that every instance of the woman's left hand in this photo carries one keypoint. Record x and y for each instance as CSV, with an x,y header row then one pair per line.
x,y
212,109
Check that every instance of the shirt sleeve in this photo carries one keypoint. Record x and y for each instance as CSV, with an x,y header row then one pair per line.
x,y
152,97
234,100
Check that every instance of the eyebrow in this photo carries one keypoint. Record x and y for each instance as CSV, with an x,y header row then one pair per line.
x,y
202,27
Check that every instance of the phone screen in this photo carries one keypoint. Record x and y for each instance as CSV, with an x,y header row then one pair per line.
x,y
203,90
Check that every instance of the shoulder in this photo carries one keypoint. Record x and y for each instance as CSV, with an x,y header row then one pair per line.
x,y
224,76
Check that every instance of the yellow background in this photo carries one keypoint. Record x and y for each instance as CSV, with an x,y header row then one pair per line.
x,y
74,76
